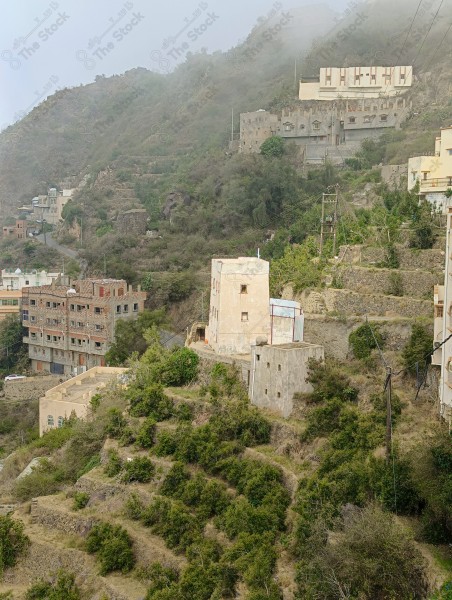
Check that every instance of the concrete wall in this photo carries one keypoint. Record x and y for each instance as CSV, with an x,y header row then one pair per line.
x,y
278,372
332,333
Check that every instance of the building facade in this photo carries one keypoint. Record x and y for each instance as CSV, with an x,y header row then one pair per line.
x,y
324,130
50,208
239,304
70,328
279,372
434,173
73,397
17,279
357,82
443,327
10,303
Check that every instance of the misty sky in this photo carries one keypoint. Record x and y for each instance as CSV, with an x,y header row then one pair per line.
x,y
49,44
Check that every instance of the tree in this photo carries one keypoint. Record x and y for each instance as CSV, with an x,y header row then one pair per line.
x,y
364,339
13,352
416,352
63,587
273,146
13,542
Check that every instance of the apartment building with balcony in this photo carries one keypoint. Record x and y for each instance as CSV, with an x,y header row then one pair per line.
x,y
357,82
70,328
16,279
434,172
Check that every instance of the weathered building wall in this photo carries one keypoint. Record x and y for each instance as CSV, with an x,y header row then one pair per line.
x,y
278,372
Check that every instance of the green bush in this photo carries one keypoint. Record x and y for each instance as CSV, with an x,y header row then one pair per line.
x,y
184,412
44,480
162,578
418,349
13,542
395,287
114,464
140,469
62,587
112,546
81,499
364,339
329,382
180,367
150,401
173,522
146,433
115,423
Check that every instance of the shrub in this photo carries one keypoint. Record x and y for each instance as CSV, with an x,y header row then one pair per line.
x,y
150,401
395,287
418,349
180,367
162,578
364,339
81,499
175,480
45,479
166,444
114,464
173,522
273,146
184,412
146,433
112,546
329,382
13,542
115,423
140,469
134,508
62,587
359,557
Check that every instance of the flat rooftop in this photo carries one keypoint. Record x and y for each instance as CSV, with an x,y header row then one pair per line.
x,y
80,389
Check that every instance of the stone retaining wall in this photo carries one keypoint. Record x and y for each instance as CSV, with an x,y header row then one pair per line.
x,y
410,259
45,512
415,284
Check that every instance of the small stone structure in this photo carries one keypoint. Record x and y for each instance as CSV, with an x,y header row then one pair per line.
x,y
279,372
133,222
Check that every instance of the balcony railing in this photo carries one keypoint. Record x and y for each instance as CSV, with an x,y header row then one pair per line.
x,y
440,182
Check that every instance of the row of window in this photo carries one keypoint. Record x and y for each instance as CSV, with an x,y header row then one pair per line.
x,y
51,421
9,302
258,357
81,307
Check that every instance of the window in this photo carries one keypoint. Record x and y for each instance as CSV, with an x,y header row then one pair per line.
x,y
98,310
439,311
352,119
48,304
383,118
98,344
60,421
33,336
268,365
99,327
266,391
33,319
135,307
118,309
244,316
72,323
50,421
126,308
373,77
80,324
258,356
79,342
316,125
243,289
73,341
279,394
32,302
367,119
279,367
449,151
27,282
55,338
48,338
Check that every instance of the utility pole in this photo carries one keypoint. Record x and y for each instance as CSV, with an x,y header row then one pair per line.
x,y
388,413
328,225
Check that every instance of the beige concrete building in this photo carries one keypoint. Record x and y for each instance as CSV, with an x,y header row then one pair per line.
x,y
50,208
443,328
434,173
16,279
70,328
10,303
279,372
73,397
357,82
239,304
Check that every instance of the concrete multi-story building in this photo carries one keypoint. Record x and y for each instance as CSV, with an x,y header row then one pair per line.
x,y
19,231
17,279
70,328
357,82
50,208
72,398
443,328
434,173
324,130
